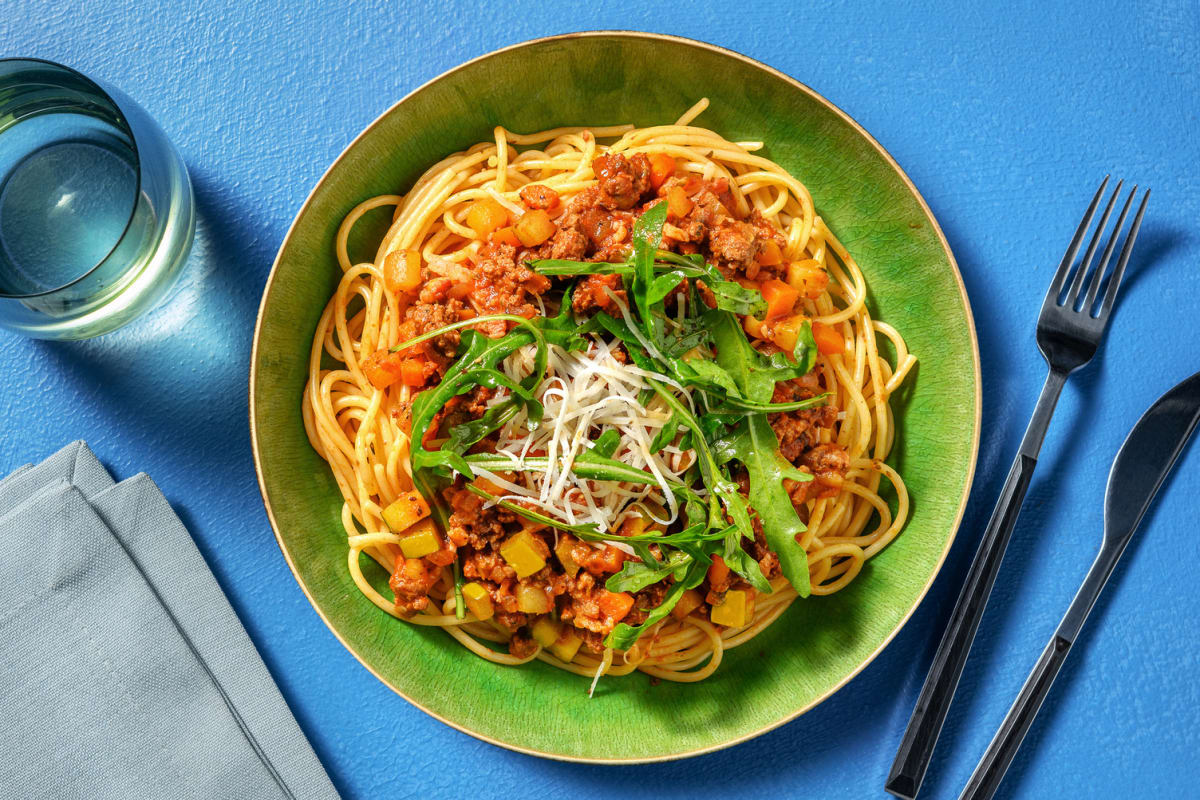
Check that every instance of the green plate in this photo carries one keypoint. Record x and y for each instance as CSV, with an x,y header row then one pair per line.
x,y
820,643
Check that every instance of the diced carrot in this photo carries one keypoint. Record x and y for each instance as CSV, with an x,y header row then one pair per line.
x,y
534,228
780,298
678,203
662,166
539,196
506,235
412,371
382,368
402,270
718,573
770,255
486,216
615,604
829,341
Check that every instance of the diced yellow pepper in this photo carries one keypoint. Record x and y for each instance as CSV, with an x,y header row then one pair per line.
x,y
563,551
545,631
523,554
532,599
478,600
786,332
409,509
567,646
736,610
420,540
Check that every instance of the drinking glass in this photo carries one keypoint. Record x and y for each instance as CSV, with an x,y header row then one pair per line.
x,y
96,208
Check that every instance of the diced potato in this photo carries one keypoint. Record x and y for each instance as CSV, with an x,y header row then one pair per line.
x,y
787,331
420,540
754,327
478,600
689,601
524,552
545,631
567,645
678,203
636,524
809,277
563,550
736,610
534,228
532,599
409,509
485,216
770,255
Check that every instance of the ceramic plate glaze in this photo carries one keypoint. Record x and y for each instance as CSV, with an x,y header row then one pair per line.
x,y
820,643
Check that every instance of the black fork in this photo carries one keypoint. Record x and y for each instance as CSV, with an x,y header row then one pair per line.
x,y
1069,331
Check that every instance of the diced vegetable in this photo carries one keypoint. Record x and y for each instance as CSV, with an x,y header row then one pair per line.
x,y
678,203
829,340
402,270
567,645
718,572
770,255
615,604
420,540
478,600
786,331
689,601
780,298
809,277
532,599
563,550
383,368
525,553
545,631
662,166
539,195
754,327
534,228
408,509
636,524
507,235
485,216
736,610
412,371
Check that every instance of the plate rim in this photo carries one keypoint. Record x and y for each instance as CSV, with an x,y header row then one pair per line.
x,y
975,439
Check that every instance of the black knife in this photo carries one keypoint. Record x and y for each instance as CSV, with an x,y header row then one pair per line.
x,y
1140,468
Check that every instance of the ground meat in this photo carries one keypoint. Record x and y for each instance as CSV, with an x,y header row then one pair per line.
x,y
424,316
608,232
411,582
648,598
472,524
828,464
734,245
622,180
768,562
435,290
568,244
521,646
591,293
800,430
503,286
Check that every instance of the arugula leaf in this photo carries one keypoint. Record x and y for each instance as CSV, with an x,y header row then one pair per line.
x,y
623,635
647,236
606,443
636,575
753,372
666,435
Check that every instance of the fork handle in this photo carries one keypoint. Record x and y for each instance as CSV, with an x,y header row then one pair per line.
x,y
921,735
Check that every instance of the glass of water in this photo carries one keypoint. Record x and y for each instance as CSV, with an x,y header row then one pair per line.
x,y
96,208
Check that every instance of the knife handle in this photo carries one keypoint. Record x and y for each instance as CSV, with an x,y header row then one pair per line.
x,y
987,776
925,725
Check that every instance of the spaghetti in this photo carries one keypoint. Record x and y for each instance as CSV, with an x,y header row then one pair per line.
x,y
389,335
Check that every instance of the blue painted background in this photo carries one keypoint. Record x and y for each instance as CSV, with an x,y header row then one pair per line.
x,y
1005,118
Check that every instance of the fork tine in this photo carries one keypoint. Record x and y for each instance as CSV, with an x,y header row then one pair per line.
x,y
1064,268
1086,263
1114,283
1098,278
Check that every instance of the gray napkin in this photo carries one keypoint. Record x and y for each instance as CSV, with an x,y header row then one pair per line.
x,y
124,672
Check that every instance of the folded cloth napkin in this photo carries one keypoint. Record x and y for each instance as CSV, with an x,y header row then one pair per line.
x,y
124,672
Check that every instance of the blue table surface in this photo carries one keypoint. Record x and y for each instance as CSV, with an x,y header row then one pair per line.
x,y
1005,118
